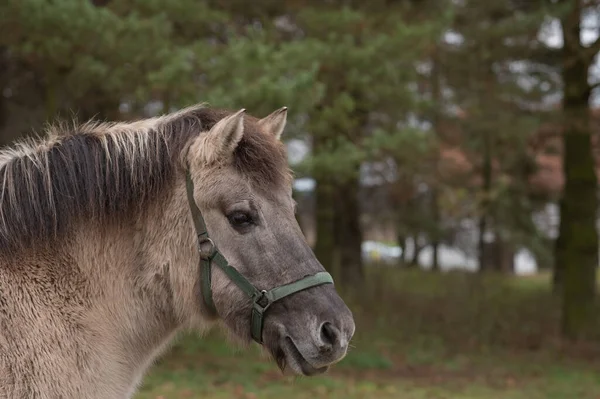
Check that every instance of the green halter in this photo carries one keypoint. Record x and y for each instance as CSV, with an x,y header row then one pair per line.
x,y
261,299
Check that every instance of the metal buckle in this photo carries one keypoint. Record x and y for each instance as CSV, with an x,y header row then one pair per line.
x,y
262,298
206,255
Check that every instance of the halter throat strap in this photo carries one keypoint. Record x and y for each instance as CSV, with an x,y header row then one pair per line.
x,y
261,299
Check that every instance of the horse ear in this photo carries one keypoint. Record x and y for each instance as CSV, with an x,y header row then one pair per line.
x,y
274,123
222,139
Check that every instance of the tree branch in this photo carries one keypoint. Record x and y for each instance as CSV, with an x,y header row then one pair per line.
x,y
594,86
593,49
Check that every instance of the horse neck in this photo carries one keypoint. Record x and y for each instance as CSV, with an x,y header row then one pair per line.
x,y
138,307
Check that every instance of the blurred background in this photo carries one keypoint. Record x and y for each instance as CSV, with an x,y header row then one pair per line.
x,y
445,154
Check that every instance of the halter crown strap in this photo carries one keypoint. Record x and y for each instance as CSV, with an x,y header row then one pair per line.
x,y
261,299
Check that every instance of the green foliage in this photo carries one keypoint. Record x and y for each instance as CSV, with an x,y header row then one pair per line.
x,y
363,73
261,75
352,77
407,146
338,157
88,49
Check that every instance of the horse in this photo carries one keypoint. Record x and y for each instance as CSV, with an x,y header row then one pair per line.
x,y
117,236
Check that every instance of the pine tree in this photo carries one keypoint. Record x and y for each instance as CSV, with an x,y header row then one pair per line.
x,y
366,61
577,244
489,71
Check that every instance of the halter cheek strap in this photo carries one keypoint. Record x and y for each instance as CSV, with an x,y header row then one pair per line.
x,y
261,299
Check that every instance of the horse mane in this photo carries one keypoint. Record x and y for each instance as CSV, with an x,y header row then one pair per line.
x,y
110,171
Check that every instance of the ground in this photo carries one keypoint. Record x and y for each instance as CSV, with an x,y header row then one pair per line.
x,y
419,336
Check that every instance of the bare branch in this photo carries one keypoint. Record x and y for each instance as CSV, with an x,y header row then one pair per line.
x,y
594,86
593,49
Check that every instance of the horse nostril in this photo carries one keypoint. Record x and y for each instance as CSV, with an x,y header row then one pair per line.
x,y
330,336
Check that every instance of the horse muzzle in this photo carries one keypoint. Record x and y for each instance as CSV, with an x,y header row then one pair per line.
x,y
309,341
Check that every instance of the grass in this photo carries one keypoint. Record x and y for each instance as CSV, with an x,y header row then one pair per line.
x,y
419,336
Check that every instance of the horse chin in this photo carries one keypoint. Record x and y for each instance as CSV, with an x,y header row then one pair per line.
x,y
288,357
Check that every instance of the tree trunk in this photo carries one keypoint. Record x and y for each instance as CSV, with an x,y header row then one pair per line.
x,y
325,243
325,224
485,203
414,262
558,265
435,239
578,239
435,263
436,95
402,244
504,256
349,232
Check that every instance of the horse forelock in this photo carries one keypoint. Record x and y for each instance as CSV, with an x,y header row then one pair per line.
x,y
111,171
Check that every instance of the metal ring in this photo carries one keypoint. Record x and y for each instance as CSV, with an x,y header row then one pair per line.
x,y
213,248
259,299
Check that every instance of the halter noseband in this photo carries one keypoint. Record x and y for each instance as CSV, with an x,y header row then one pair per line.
x,y
261,299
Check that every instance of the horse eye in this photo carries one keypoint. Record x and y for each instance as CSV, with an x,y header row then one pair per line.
x,y
240,219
